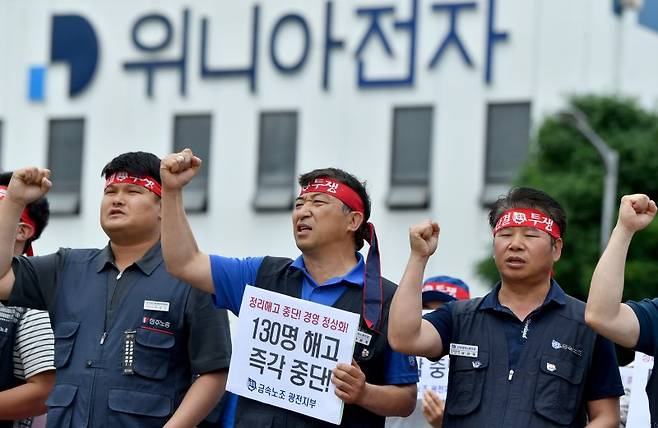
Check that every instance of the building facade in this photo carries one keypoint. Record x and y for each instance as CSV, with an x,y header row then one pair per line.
x,y
432,102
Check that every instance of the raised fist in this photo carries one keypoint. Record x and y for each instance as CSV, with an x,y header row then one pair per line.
x,y
28,184
178,169
636,212
424,238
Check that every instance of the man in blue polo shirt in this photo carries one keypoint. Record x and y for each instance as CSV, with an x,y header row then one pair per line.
x,y
329,227
633,324
521,356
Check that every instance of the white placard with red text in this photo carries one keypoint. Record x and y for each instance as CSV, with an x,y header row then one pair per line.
x,y
286,349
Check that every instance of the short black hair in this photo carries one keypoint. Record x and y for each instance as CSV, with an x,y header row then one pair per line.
x,y
526,197
39,210
363,233
134,163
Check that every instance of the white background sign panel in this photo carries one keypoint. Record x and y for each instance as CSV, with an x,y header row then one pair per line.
x,y
433,374
285,352
638,406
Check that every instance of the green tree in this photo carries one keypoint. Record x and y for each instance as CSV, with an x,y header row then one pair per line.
x,y
566,166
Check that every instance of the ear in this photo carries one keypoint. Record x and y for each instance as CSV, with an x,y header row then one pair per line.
x,y
557,249
354,221
25,232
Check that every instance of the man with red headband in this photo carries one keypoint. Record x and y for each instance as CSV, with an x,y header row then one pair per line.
x,y
128,335
521,356
329,226
27,371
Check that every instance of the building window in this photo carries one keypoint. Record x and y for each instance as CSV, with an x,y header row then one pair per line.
x,y
65,148
410,164
276,161
508,136
193,132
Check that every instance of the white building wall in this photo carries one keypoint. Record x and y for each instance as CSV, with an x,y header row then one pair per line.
x,y
555,49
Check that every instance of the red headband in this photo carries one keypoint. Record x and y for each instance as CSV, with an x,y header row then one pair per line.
x,y
25,218
452,290
372,282
524,217
149,183
338,190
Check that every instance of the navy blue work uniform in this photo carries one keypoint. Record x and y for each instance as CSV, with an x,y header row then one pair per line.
x,y
539,372
126,343
647,315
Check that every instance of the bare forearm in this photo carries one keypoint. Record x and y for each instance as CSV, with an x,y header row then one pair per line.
x,y
603,413
179,248
604,310
404,323
201,398
389,400
26,400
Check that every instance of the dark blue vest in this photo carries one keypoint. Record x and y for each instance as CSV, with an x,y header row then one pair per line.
x,y
547,386
92,389
274,275
7,339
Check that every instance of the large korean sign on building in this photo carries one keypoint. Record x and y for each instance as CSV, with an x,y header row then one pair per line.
x,y
191,44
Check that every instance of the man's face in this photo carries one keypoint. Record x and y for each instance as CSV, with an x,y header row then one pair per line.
x,y
525,253
128,209
318,220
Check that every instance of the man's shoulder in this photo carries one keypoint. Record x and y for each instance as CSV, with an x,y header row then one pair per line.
x,y
458,307
574,308
272,264
79,255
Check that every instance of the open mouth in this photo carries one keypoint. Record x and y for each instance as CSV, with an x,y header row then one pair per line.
x,y
303,227
515,261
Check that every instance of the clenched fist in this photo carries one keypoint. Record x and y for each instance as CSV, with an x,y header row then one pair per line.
x,y
178,169
28,184
424,238
636,212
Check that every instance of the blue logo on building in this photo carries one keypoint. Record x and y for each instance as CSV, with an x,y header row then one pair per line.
x,y
73,42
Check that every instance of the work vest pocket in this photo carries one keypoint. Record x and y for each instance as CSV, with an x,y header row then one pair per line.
x,y
558,388
60,405
65,333
467,376
152,353
130,408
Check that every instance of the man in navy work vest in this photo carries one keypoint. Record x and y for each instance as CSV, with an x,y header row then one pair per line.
x,y
27,373
128,335
521,356
329,227
632,324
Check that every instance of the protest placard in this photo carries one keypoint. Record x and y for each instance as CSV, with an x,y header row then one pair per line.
x,y
433,375
638,406
286,349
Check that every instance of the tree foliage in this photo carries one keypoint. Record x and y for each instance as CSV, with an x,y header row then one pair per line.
x,y
565,165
